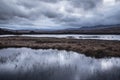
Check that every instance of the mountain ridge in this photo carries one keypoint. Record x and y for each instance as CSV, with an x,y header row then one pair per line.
x,y
113,29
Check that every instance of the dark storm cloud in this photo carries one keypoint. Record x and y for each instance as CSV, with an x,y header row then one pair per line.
x,y
9,9
86,4
69,13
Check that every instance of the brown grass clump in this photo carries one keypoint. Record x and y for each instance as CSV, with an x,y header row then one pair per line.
x,y
93,48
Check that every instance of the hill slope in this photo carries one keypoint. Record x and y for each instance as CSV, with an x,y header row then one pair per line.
x,y
104,30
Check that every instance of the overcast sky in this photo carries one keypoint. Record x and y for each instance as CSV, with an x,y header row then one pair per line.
x,y
58,14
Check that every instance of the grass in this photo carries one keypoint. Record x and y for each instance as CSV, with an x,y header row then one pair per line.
x,y
93,48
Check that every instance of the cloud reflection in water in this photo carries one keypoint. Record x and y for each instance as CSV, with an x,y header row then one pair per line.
x,y
30,64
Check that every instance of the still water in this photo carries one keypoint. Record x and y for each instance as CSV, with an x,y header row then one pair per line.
x,y
74,36
49,64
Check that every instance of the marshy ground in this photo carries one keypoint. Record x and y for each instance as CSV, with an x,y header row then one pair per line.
x,y
93,48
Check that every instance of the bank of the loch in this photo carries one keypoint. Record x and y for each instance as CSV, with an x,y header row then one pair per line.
x,y
93,48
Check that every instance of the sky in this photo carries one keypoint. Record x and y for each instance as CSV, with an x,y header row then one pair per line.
x,y
58,14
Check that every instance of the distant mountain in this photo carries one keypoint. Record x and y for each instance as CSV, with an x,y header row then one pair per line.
x,y
5,31
111,29
94,30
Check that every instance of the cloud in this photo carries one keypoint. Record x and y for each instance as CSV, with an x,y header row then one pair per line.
x,y
58,14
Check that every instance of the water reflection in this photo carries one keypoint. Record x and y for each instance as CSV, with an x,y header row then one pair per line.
x,y
74,36
30,64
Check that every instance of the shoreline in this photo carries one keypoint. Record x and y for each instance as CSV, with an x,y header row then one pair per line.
x,y
92,48
60,33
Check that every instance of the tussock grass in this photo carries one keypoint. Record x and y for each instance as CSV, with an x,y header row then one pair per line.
x,y
93,48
